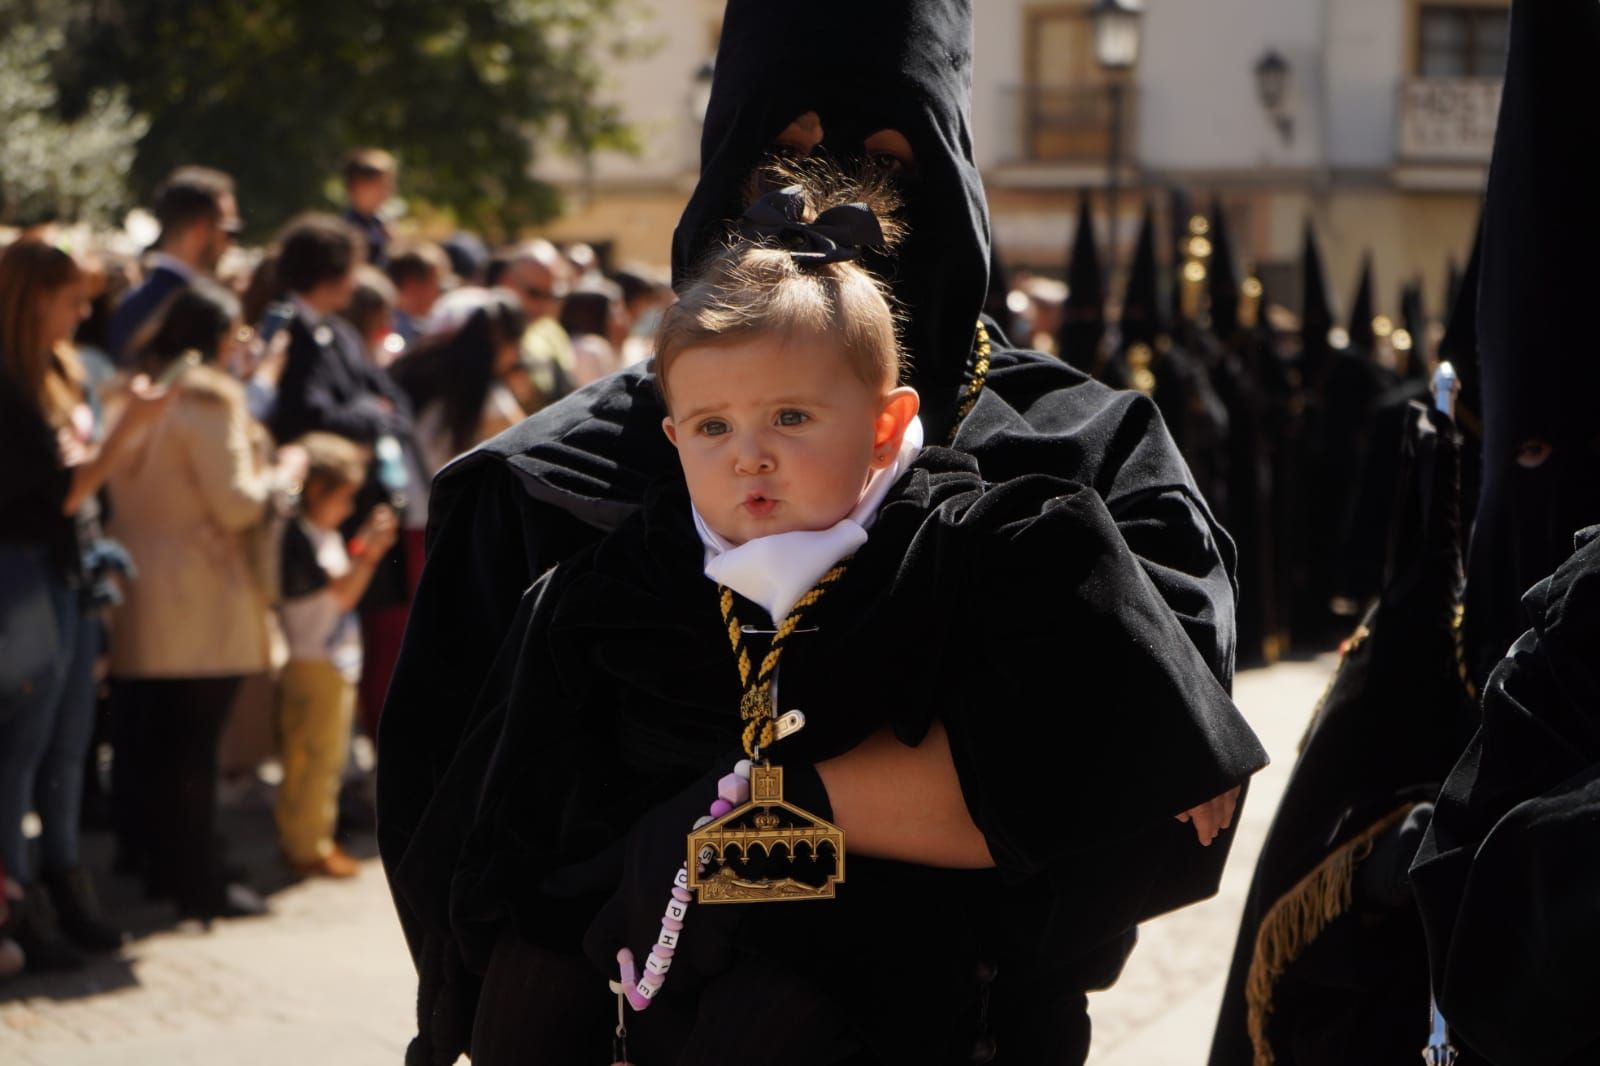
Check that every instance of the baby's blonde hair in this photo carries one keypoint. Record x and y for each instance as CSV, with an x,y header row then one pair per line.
x,y
752,287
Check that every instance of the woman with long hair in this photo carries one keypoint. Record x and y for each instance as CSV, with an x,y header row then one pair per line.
x,y
456,378
57,456
195,624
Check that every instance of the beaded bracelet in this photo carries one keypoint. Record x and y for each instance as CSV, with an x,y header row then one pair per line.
x,y
732,790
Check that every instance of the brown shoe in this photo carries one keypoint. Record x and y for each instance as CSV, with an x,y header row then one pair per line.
x,y
337,864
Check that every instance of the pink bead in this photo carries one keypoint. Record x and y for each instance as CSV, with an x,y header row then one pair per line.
x,y
673,924
663,951
683,895
734,789
636,999
651,983
721,807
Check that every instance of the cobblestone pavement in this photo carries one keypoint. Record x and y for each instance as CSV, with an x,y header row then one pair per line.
x,y
326,980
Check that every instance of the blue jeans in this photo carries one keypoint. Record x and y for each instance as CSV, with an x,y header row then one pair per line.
x,y
48,645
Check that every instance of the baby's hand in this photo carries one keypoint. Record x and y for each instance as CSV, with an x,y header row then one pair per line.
x,y
1212,816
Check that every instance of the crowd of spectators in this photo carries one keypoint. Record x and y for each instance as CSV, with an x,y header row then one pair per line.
x,y
212,506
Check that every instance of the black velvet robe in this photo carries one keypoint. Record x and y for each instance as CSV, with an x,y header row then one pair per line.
x,y
1074,747
1508,876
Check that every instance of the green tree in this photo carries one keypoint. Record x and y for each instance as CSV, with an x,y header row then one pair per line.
x,y
51,168
276,91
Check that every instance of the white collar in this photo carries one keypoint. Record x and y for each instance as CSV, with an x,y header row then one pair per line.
x,y
776,571
164,261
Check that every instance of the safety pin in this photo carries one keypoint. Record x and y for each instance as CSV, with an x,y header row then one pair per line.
x,y
757,630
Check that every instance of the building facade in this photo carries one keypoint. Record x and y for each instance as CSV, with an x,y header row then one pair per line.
x,y
1380,133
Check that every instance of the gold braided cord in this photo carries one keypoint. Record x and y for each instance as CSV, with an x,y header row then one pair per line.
x,y
760,728
976,380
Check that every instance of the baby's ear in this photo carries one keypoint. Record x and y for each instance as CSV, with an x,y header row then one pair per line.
x,y
670,429
900,406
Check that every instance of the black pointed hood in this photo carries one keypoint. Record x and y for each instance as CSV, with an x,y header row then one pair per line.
x,y
1414,320
1316,313
1536,337
1362,336
1222,279
1141,319
894,64
1083,318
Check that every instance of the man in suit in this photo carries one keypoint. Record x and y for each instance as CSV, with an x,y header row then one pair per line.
x,y
199,219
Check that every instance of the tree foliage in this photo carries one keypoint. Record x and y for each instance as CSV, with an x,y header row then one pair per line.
x,y
277,91
51,168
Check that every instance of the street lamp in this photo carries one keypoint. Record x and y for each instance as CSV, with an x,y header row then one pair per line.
x,y
1117,25
1272,86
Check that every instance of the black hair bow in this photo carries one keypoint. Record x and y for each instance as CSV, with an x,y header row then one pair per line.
x,y
838,235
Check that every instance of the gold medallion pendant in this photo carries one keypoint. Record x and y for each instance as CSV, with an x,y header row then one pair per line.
x,y
765,849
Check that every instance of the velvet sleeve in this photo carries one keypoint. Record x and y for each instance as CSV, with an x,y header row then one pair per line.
x,y
1091,714
1508,875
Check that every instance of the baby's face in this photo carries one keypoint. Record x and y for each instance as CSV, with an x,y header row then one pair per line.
x,y
776,434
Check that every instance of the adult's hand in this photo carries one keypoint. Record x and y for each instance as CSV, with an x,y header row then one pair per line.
x,y
1212,816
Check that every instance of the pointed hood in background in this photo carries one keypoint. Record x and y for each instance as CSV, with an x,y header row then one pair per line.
x,y
1222,279
1316,313
1141,318
1083,317
1362,336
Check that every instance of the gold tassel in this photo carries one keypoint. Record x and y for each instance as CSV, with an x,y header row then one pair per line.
x,y
1297,918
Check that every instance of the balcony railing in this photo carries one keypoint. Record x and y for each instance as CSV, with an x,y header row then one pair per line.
x,y
1448,120
1046,124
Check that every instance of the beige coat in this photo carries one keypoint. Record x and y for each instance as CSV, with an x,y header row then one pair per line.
x,y
184,506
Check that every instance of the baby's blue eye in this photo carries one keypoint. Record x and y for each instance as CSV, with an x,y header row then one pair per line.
x,y
713,427
792,418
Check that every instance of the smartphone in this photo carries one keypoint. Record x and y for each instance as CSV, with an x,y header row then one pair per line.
x,y
175,369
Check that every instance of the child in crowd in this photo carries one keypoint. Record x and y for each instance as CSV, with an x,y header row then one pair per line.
x,y
1003,840
321,585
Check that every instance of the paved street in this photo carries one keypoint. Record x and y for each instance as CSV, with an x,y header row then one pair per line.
x,y
326,979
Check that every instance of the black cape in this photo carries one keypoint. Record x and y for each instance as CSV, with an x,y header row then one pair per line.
x,y
624,692
1322,974
1508,876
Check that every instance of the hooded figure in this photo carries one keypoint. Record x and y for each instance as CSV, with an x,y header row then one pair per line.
x,y
1149,361
1413,361
1083,318
1363,338
1540,273
1340,389
1237,374
539,493
1329,968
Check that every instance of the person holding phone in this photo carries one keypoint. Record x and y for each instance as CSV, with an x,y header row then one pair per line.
x,y
58,455
195,623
